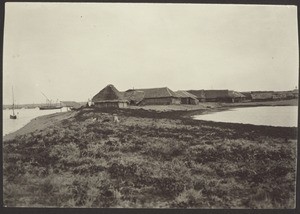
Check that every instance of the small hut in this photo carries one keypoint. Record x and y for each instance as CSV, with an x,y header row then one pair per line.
x,y
247,95
199,94
187,98
109,97
134,97
223,96
279,95
295,93
236,96
290,95
262,95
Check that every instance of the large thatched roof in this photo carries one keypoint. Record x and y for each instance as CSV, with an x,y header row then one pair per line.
x,y
247,94
198,93
262,95
235,94
134,96
295,91
156,92
213,94
109,94
185,94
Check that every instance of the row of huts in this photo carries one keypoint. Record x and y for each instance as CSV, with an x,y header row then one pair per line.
x,y
111,97
271,95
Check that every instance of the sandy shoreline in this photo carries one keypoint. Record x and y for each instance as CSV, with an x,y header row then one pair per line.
x,y
39,123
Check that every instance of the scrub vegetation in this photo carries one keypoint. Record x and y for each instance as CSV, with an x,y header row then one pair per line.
x,y
149,159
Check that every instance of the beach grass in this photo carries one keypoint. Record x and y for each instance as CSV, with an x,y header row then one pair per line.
x,y
149,160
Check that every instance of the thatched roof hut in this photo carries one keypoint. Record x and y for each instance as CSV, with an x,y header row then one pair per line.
x,y
235,94
279,95
262,95
223,95
187,98
215,94
110,97
133,96
247,95
155,96
181,93
295,92
199,94
158,92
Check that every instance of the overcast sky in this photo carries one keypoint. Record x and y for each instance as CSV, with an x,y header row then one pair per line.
x,y
70,51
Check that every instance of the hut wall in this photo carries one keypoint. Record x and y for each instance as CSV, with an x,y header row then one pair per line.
x,y
290,96
122,105
262,96
111,105
189,101
194,102
185,100
220,99
176,101
261,99
160,101
238,99
279,96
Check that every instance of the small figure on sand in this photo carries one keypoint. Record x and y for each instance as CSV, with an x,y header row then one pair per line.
x,y
116,119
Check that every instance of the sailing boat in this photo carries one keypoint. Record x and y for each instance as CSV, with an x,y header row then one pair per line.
x,y
13,116
48,105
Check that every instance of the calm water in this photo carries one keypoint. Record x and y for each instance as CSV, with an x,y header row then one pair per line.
x,y
24,116
270,116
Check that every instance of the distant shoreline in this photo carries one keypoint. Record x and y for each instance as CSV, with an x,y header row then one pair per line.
x,y
182,111
30,106
240,104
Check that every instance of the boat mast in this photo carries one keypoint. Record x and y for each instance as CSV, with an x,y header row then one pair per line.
x,y
47,99
13,106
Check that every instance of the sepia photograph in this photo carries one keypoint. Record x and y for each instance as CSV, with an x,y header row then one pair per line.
x,y
150,105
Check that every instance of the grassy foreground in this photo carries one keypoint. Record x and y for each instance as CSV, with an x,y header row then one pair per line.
x,y
149,159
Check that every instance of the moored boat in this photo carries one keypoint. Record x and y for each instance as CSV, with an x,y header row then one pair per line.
x,y
49,107
13,116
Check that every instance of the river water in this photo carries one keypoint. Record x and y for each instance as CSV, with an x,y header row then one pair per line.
x,y
286,116
270,116
24,116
